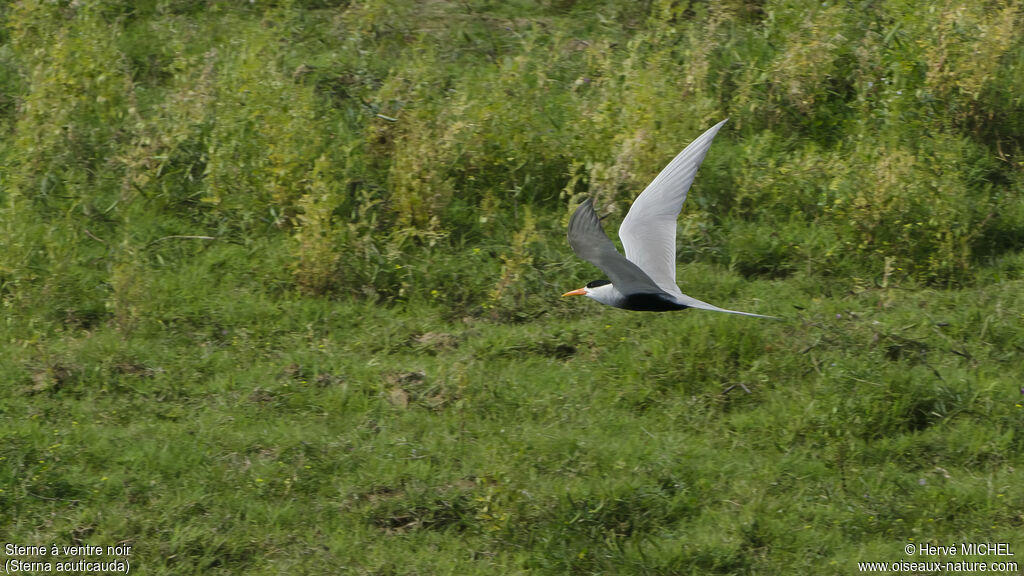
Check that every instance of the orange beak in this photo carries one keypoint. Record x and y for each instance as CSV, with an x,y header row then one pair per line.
x,y
578,292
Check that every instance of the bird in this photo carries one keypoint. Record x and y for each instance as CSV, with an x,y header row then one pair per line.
x,y
645,278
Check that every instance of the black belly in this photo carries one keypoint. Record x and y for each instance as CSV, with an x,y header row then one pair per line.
x,y
651,302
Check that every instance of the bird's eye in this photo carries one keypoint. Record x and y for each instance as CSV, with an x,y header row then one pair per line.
x,y
597,283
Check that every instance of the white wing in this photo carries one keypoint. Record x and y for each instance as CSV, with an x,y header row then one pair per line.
x,y
648,232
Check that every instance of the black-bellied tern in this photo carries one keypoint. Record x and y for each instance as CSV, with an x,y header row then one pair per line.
x,y
645,278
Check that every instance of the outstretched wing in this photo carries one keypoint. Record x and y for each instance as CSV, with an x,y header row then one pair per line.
x,y
590,243
648,232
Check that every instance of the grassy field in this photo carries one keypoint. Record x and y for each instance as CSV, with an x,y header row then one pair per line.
x,y
280,286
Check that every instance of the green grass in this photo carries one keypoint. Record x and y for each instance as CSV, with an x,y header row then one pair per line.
x,y
302,435
280,285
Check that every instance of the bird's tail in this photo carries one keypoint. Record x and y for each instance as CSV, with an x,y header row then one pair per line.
x,y
694,303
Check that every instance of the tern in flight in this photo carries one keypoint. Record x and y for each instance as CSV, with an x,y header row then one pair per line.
x,y
645,278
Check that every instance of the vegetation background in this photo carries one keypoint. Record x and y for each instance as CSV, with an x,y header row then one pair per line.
x,y
280,284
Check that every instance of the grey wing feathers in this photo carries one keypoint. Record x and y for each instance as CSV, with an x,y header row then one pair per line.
x,y
648,232
590,243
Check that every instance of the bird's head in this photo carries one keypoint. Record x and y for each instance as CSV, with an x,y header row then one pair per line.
x,y
591,290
